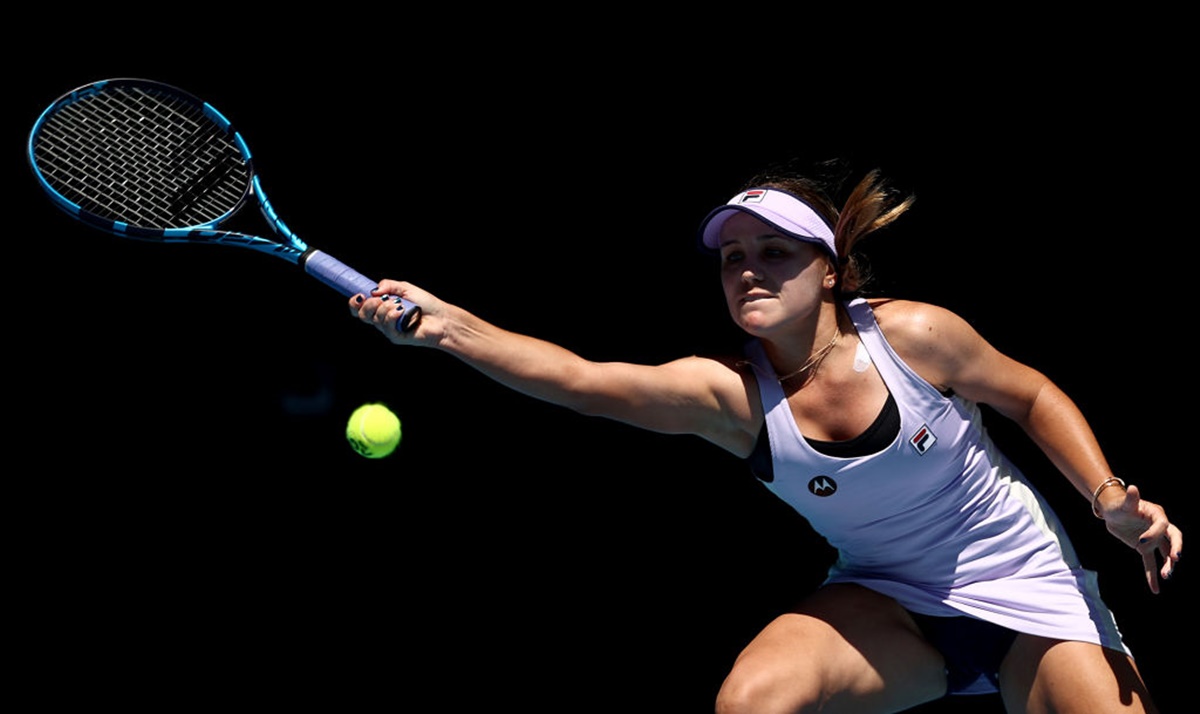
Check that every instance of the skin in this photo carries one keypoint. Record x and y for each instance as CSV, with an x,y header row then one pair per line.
x,y
845,648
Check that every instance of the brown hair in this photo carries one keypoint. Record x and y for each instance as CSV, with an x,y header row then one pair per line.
x,y
871,205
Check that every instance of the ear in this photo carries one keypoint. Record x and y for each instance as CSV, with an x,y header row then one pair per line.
x,y
830,274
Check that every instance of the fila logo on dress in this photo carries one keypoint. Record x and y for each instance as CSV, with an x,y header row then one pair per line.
x,y
923,440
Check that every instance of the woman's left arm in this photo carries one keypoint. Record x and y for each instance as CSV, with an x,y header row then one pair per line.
x,y
950,354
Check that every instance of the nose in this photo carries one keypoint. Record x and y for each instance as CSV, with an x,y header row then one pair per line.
x,y
750,275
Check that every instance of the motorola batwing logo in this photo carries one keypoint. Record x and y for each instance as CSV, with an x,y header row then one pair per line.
x,y
822,486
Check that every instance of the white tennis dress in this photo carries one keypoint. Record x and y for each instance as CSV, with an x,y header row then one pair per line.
x,y
940,520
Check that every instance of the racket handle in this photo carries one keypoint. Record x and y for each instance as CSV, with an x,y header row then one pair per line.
x,y
349,282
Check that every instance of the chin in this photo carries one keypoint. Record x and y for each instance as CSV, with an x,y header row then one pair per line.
x,y
753,325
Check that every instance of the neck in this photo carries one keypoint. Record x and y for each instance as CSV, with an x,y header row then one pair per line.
x,y
819,349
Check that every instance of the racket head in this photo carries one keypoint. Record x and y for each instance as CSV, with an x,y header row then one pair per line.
x,y
141,159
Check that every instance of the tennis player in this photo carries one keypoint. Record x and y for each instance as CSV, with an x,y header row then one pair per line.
x,y
954,576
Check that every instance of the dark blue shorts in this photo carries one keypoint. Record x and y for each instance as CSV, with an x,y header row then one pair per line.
x,y
973,650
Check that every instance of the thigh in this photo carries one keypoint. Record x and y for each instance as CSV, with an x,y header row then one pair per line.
x,y
1040,676
846,648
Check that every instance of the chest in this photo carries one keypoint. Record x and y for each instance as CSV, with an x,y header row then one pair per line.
x,y
839,403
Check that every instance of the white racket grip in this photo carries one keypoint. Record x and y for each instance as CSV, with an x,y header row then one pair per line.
x,y
349,282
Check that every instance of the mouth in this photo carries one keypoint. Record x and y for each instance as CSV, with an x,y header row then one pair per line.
x,y
753,297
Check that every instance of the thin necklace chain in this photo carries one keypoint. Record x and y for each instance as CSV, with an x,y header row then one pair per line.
x,y
815,358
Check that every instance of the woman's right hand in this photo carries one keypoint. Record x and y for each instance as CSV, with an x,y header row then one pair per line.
x,y
382,310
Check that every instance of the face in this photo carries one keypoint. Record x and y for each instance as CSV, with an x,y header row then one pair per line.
x,y
770,280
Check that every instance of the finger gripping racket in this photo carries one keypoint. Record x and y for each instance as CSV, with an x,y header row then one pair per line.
x,y
146,160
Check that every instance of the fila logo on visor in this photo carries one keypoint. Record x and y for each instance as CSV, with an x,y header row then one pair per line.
x,y
755,196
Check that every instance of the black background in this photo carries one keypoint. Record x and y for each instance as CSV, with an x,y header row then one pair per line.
x,y
192,526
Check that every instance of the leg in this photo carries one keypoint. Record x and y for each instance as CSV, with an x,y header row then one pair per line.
x,y
1042,676
844,649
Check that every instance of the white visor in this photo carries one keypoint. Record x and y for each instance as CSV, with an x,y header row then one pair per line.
x,y
783,211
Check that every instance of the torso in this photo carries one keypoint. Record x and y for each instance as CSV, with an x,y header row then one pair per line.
x,y
841,401
936,518
844,399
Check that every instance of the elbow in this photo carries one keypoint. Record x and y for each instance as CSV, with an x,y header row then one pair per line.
x,y
581,389
589,404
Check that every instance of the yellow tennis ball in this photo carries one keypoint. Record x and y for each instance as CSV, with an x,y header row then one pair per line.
x,y
373,431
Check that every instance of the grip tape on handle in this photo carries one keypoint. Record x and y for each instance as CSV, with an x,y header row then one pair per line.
x,y
349,282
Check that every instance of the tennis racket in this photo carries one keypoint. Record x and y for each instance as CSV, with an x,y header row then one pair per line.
x,y
146,160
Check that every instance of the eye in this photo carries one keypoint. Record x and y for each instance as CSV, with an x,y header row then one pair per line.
x,y
732,257
776,251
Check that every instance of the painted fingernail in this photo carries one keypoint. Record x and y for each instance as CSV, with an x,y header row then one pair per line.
x,y
358,299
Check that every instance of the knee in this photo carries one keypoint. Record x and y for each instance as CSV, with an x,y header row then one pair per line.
x,y
734,697
747,691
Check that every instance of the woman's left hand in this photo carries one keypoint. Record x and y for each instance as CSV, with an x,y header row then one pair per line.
x,y
1143,526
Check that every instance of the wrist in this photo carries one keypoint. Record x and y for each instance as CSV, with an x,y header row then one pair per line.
x,y
1104,494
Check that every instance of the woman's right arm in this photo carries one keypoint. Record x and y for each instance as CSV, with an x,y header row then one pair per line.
x,y
691,395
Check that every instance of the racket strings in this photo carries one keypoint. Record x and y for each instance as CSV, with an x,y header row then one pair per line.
x,y
143,157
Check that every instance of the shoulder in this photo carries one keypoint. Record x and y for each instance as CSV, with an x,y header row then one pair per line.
x,y
727,380
933,340
726,392
910,319
730,378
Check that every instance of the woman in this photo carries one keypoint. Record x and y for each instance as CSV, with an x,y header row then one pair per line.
x,y
953,575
